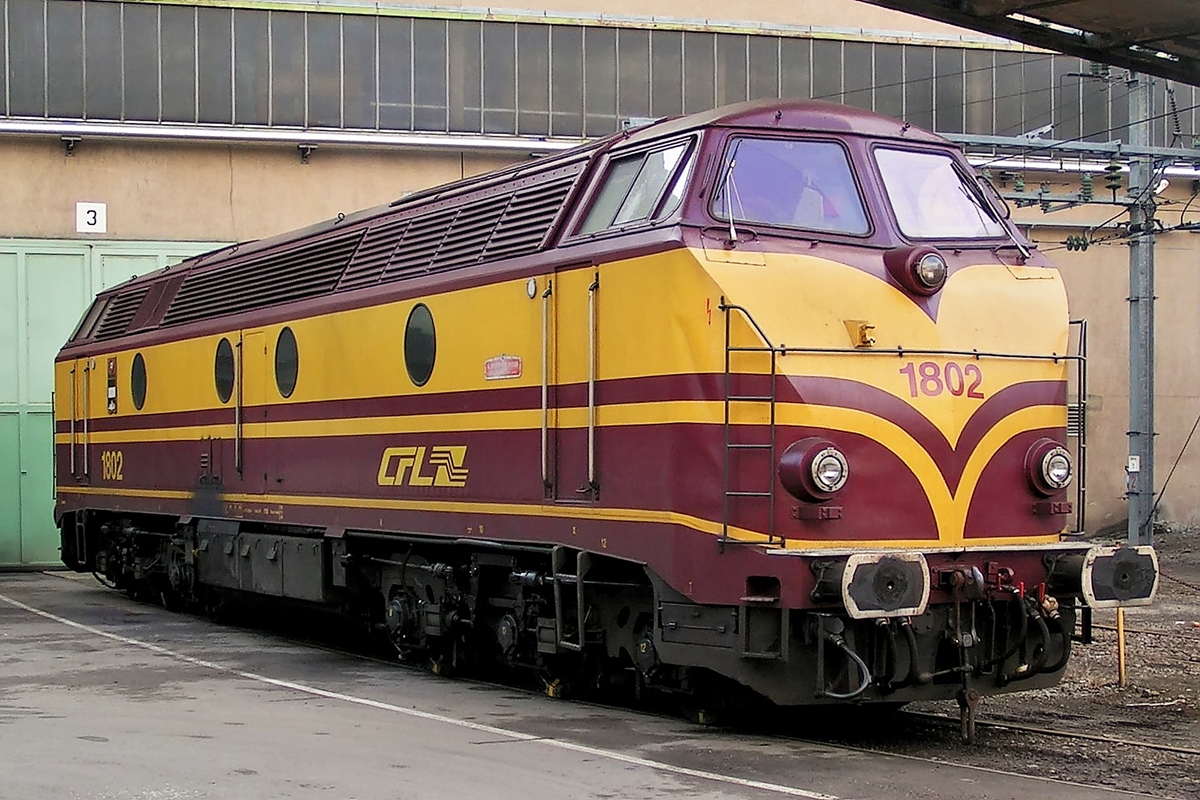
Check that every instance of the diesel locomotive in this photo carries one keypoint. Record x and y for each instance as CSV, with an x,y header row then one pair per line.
x,y
768,399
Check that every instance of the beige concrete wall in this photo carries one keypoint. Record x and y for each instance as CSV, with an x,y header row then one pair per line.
x,y
1097,286
844,14
206,192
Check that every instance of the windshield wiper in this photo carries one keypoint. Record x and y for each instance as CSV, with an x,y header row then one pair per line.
x,y
728,190
975,194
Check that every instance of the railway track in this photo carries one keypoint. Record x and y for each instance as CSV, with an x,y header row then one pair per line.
x,y
1065,734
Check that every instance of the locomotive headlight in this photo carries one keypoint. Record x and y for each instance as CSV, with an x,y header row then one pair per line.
x,y
813,469
829,469
1048,467
931,270
1056,468
920,270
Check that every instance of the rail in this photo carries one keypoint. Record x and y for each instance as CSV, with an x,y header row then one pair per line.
x,y
237,406
74,415
546,384
591,387
87,405
1079,425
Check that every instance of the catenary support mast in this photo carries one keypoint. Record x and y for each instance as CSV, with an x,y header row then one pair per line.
x,y
1140,468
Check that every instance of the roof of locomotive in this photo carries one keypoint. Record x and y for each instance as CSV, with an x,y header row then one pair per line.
x,y
812,116
355,246
808,116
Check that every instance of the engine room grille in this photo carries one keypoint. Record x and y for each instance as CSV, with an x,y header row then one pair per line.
x,y
527,219
119,313
305,271
373,255
493,228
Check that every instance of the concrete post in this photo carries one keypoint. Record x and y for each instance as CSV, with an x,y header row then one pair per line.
x,y
1140,468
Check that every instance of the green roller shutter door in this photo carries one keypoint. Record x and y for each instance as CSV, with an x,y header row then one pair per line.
x,y
45,286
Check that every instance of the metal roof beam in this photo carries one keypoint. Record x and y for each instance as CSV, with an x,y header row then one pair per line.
x,y
1052,35
225,134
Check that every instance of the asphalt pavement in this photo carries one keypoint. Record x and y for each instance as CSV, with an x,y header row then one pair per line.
x,y
105,698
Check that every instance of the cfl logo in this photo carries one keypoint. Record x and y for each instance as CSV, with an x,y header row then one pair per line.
x,y
405,466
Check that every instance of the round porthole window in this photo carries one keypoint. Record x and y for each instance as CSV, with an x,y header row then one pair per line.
x,y
137,381
420,344
287,362
223,370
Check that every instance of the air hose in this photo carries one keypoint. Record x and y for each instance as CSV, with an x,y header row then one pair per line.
x,y
837,641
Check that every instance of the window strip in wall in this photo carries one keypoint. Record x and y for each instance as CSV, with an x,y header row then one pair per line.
x,y
145,62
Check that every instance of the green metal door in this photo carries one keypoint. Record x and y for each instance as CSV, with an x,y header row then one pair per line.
x,y
45,286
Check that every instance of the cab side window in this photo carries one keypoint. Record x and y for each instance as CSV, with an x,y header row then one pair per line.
x,y
637,188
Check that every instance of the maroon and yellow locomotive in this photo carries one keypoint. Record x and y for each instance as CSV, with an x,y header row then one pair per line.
x,y
773,395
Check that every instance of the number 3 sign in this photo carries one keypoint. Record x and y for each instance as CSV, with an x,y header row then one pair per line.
x,y
91,218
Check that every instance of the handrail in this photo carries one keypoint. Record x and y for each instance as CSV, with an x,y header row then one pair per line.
x,y
546,381
1079,359
74,415
87,404
784,350
237,405
591,443
1081,382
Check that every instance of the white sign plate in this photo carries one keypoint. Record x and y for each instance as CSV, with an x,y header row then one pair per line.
x,y
91,218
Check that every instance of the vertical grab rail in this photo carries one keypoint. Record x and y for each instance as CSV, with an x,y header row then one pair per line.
x,y
591,444
74,416
1081,381
87,404
725,449
772,462
237,407
546,382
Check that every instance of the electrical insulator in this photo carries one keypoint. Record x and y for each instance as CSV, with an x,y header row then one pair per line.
x,y
1077,242
1019,183
1086,190
1112,176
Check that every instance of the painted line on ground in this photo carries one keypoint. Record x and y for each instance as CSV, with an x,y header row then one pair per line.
x,y
515,736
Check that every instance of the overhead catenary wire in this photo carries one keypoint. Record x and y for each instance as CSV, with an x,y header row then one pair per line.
x,y
1052,145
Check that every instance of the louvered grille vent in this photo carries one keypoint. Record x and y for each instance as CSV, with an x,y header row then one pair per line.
x,y
504,226
305,271
373,255
420,243
120,312
527,219
1076,419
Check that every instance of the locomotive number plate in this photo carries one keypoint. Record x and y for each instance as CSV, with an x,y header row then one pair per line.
x,y
931,379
